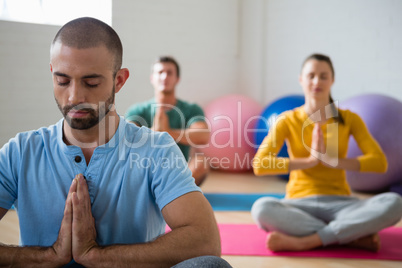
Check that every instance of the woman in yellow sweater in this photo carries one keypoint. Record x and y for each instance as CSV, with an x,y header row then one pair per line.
x,y
318,209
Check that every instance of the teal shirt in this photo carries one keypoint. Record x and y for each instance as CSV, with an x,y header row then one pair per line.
x,y
181,116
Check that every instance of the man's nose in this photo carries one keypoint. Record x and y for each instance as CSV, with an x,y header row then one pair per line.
x,y
76,95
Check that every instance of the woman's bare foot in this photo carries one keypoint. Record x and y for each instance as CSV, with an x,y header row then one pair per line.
x,y
370,242
277,241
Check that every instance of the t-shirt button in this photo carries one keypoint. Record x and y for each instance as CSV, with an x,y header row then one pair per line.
x,y
78,159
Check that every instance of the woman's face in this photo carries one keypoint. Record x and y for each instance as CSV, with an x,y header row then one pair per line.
x,y
316,80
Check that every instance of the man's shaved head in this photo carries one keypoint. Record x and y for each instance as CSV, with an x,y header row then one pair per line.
x,y
88,32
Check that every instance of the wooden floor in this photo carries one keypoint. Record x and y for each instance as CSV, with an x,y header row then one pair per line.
x,y
232,183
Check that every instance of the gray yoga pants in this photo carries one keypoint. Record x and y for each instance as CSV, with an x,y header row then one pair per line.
x,y
336,219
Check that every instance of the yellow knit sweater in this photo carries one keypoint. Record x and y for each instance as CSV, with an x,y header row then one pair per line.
x,y
295,127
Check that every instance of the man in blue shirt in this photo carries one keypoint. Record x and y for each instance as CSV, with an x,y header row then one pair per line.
x,y
94,190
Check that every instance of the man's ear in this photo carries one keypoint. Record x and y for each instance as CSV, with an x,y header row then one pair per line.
x,y
121,78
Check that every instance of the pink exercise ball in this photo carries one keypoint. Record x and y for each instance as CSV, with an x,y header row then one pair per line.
x,y
232,121
383,118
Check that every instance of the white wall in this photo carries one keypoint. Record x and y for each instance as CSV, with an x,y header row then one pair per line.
x,y
362,37
201,35
252,69
254,47
26,95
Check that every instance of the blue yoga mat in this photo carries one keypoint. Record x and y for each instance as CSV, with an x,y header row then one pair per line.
x,y
235,202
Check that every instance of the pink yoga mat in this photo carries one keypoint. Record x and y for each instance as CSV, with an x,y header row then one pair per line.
x,y
249,240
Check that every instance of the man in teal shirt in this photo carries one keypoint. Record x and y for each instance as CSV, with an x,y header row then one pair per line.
x,y
184,121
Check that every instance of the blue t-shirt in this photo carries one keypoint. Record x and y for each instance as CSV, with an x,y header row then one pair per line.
x,y
130,180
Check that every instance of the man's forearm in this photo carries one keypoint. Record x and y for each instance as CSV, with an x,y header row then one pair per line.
x,y
194,233
190,137
165,251
13,256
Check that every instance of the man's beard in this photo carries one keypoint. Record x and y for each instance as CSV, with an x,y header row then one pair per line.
x,y
94,115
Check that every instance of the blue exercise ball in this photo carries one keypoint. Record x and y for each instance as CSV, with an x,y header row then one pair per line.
x,y
269,115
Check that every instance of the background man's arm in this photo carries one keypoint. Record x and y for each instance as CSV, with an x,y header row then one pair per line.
x,y
197,134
